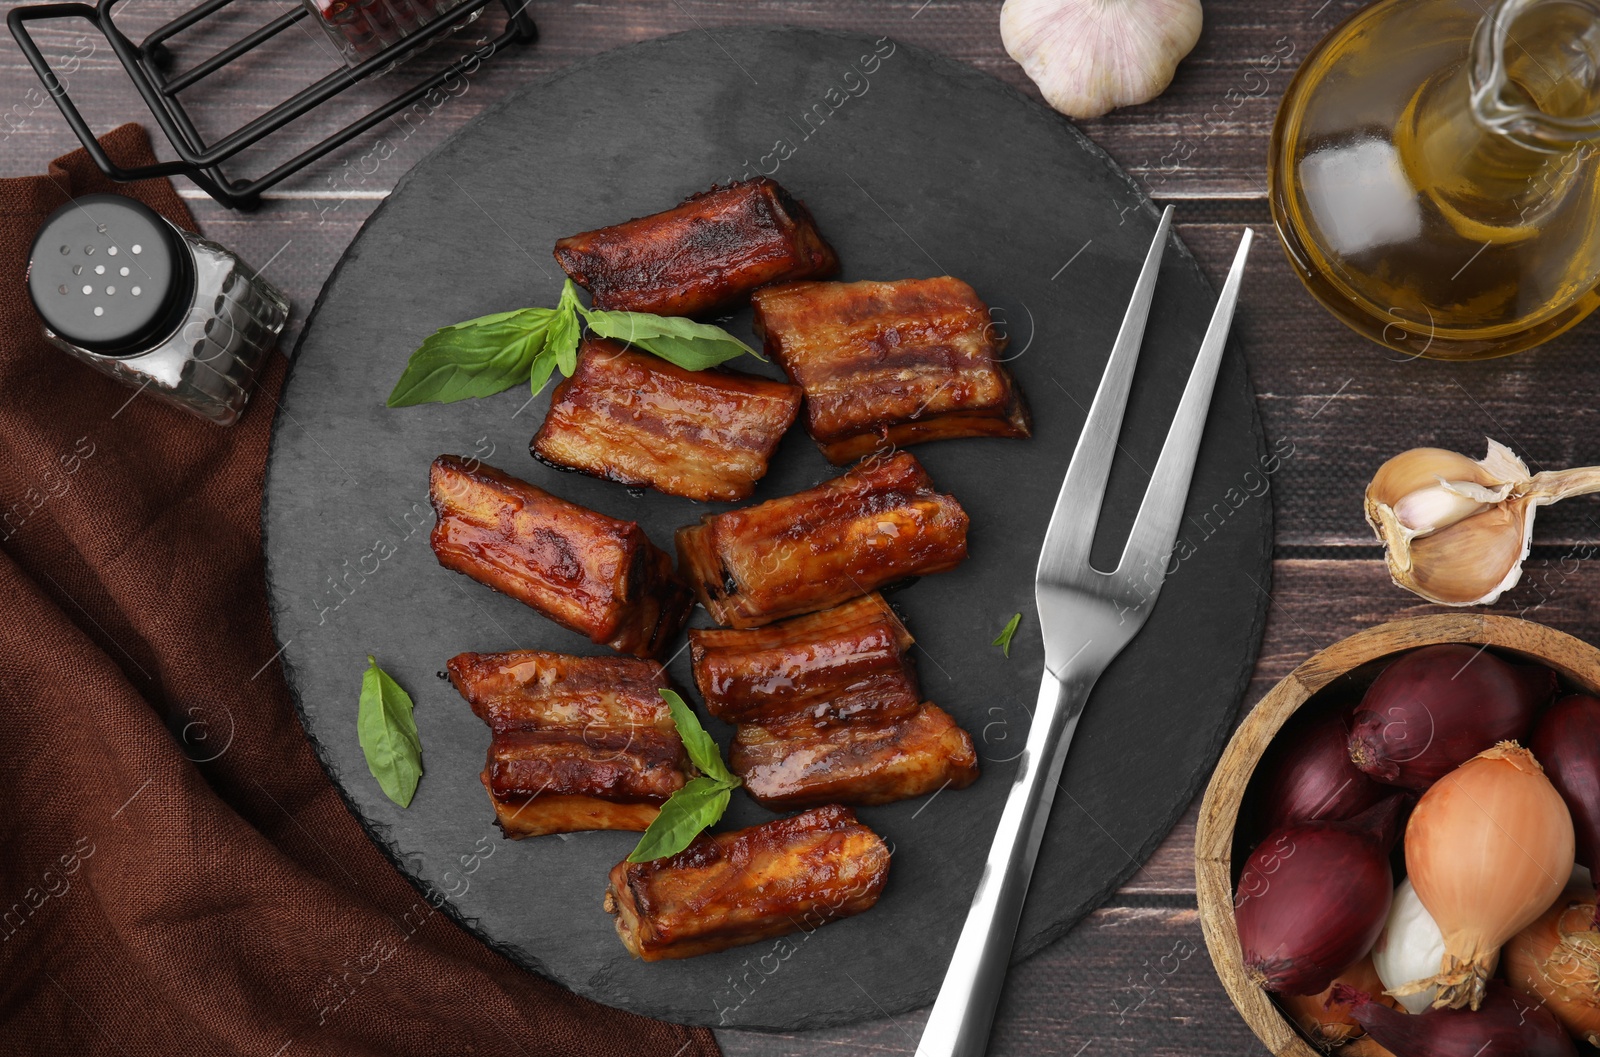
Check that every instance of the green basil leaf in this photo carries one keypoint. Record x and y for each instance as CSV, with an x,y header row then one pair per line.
x,y
543,366
692,346
702,749
388,734
1003,640
563,341
477,358
699,804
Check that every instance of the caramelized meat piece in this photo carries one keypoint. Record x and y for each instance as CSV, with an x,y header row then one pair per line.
x,y
839,664
704,254
867,760
828,710
891,364
578,742
732,888
596,575
631,417
878,523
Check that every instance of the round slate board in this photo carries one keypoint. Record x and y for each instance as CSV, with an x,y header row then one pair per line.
x,y
914,166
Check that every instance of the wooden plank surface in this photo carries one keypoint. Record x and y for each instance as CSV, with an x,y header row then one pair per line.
x,y
1134,977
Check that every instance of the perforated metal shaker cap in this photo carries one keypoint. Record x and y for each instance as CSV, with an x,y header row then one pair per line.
x,y
108,274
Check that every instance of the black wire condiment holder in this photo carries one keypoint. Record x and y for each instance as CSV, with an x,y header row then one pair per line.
x,y
149,64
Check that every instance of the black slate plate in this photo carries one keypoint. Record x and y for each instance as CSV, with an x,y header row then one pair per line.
x,y
914,166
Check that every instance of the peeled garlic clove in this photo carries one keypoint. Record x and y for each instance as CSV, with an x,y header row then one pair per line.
x,y
1440,506
1092,56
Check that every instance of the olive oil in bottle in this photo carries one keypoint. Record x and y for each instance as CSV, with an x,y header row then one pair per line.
x,y
1434,177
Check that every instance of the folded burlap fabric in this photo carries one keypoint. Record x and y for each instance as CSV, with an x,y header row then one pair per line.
x,y
178,876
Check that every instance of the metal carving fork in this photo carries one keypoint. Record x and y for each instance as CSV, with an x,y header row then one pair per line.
x,y
1086,617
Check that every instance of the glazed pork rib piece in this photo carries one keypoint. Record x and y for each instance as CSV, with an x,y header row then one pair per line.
x,y
594,574
753,884
879,522
831,666
577,742
631,417
828,710
704,254
891,364
862,761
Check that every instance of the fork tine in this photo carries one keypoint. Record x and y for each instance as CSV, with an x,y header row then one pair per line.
x,y
1156,526
1077,510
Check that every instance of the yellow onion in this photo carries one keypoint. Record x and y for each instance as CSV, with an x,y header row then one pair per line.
x,y
1327,1021
1488,848
1557,959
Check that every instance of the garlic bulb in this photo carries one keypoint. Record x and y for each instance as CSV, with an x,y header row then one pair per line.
x,y
1409,949
1456,530
1091,56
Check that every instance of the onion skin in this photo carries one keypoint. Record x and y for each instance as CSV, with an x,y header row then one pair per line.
x,y
1327,1022
1566,742
1308,776
1506,1025
1312,899
1438,707
1556,960
1488,849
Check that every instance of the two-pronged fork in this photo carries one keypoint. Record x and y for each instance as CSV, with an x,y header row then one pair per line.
x,y
1086,617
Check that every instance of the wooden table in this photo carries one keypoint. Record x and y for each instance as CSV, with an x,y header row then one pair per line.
x,y
1134,977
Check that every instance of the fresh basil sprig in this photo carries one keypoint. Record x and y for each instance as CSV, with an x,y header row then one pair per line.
x,y
701,802
485,355
388,734
1003,640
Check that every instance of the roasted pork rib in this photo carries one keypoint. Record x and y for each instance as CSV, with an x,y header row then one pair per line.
x,y
704,254
891,364
632,417
577,742
878,523
791,874
597,575
828,710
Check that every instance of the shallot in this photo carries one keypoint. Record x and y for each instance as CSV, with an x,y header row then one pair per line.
x,y
1307,775
1566,742
1327,1021
1436,708
1557,959
1488,848
1506,1024
1313,897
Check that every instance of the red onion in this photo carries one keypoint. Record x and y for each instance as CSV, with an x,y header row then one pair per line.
x,y
1438,707
1313,898
1307,775
1566,741
1506,1025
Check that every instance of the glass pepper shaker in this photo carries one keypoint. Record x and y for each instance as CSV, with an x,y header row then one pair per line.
x,y
162,309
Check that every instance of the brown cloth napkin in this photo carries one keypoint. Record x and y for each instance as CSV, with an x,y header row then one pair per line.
x,y
177,875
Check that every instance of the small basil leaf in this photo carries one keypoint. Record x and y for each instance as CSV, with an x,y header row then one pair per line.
x,y
563,341
388,734
692,346
702,750
699,804
543,366
1003,640
477,358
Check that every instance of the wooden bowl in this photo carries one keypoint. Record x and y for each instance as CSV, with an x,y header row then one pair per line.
x,y
1577,662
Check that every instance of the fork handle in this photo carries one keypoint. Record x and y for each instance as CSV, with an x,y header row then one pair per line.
x,y
964,1011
